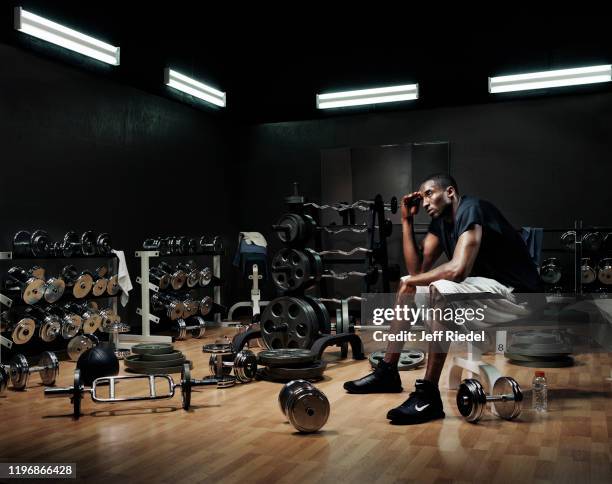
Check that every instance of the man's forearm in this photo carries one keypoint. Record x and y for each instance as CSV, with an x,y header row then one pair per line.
x,y
449,271
412,257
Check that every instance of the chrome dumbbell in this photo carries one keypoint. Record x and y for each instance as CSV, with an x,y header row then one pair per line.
x,y
49,325
605,271
35,244
191,272
71,322
550,271
73,244
80,284
32,289
194,326
506,398
79,344
177,276
91,319
169,305
306,406
160,278
588,274
243,364
22,328
19,370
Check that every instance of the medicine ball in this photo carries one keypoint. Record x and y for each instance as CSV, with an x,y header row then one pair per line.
x,y
97,362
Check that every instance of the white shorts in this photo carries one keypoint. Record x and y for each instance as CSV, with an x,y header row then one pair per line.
x,y
501,307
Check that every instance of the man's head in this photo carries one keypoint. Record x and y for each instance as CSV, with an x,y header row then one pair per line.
x,y
439,191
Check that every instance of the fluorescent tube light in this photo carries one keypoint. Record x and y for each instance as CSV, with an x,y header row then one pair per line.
x,y
191,86
44,29
557,78
378,95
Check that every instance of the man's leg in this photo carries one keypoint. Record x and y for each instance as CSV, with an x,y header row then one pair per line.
x,y
437,351
394,348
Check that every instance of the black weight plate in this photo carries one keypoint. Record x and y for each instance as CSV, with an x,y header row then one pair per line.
x,y
134,362
313,371
286,356
291,270
560,363
77,395
410,359
295,223
159,371
322,314
186,386
548,357
163,357
316,263
152,348
21,243
289,322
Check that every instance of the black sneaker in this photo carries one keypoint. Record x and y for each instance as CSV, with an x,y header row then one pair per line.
x,y
384,379
423,405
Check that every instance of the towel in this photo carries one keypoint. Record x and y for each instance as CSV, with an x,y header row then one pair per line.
x,y
124,277
533,238
253,238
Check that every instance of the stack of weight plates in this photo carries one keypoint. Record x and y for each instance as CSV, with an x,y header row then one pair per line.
x,y
155,358
288,364
539,349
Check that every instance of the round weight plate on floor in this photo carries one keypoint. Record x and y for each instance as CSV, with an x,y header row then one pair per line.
x,y
286,357
174,355
548,357
159,371
289,322
537,337
152,348
471,400
409,359
134,362
540,349
314,371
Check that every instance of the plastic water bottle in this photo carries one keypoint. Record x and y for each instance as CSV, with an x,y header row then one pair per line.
x,y
539,392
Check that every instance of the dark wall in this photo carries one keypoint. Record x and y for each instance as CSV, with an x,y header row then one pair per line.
x,y
80,152
544,161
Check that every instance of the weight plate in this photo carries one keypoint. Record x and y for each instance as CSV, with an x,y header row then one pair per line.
x,y
186,386
540,349
308,410
322,314
193,278
4,377
162,357
100,286
69,329
206,305
295,225
605,271
316,263
39,243
410,359
159,371
77,346
103,244
21,243
54,289
206,276
537,337
50,371
18,369
588,275
592,241
113,285
23,331
548,357
314,371
288,389
88,243
177,280
568,240
471,400
135,361
37,272
82,286
77,394
49,329
286,357
245,366
292,270
507,408
557,363
289,322
227,364
33,290
92,323
152,348
218,348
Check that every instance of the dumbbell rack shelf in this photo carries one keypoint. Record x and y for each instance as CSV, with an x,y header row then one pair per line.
x,y
127,340
10,302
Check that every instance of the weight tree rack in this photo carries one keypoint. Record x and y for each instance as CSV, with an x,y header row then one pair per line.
x,y
8,302
128,340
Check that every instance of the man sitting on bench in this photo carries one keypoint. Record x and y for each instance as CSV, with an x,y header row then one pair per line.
x,y
485,255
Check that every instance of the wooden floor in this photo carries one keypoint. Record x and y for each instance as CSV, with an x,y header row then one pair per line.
x,y
239,434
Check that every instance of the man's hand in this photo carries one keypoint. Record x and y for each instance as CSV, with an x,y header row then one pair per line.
x,y
405,289
410,204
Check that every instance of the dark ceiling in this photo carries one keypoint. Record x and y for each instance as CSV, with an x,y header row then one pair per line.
x,y
271,62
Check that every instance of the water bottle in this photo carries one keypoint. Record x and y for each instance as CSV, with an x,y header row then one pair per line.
x,y
539,392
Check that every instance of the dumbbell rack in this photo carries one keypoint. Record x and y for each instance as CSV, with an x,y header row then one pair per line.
x,y
127,340
8,302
